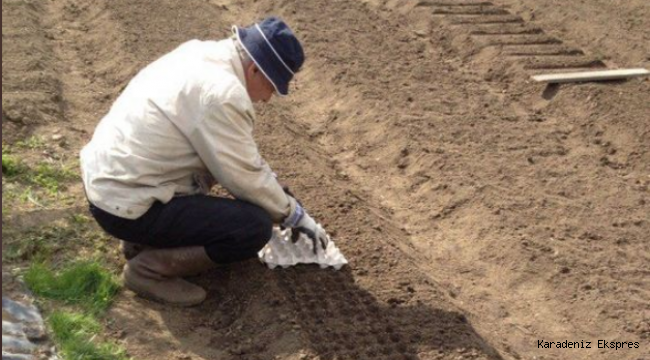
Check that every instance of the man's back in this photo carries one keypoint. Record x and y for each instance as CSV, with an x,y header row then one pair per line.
x,y
140,151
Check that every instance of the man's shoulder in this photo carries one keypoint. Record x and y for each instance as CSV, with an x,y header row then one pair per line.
x,y
205,46
216,74
225,88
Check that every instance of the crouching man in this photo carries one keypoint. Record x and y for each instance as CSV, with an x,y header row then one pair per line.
x,y
182,124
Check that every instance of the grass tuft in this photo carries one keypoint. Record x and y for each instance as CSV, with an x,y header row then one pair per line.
x,y
38,244
11,166
33,143
51,178
59,240
66,325
86,284
43,175
75,335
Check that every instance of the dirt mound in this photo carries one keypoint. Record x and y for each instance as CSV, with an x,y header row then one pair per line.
x,y
30,88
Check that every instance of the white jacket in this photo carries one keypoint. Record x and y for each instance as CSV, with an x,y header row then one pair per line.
x,y
182,122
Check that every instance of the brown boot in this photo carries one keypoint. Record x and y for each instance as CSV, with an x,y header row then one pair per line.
x,y
131,250
156,274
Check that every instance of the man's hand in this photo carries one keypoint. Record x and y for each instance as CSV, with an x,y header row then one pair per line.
x,y
309,227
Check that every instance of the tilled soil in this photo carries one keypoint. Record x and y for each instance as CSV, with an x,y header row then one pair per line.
x,y
480,212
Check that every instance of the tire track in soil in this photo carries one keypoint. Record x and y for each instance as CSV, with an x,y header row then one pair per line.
x,y
616,30
470,18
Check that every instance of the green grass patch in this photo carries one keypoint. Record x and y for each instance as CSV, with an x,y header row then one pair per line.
x,y
51,178
66,238
36,245
86,284
11,166
43,175
32,143
75,335
79,292
66,325
86,289
29,246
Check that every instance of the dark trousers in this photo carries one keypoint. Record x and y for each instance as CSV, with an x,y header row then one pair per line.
x,y
230,230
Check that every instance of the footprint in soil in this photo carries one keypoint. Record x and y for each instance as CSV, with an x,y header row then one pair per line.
x,y
326,300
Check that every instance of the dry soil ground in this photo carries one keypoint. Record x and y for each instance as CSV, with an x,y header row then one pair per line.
x,y
480,212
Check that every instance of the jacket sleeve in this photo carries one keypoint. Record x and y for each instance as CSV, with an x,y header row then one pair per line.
x,y
224,141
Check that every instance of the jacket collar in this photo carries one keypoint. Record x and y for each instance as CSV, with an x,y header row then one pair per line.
x,y
236,62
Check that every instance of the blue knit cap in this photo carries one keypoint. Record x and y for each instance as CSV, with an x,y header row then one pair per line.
x,y
275,50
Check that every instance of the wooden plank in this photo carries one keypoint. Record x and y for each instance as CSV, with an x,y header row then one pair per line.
x,y
603,75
